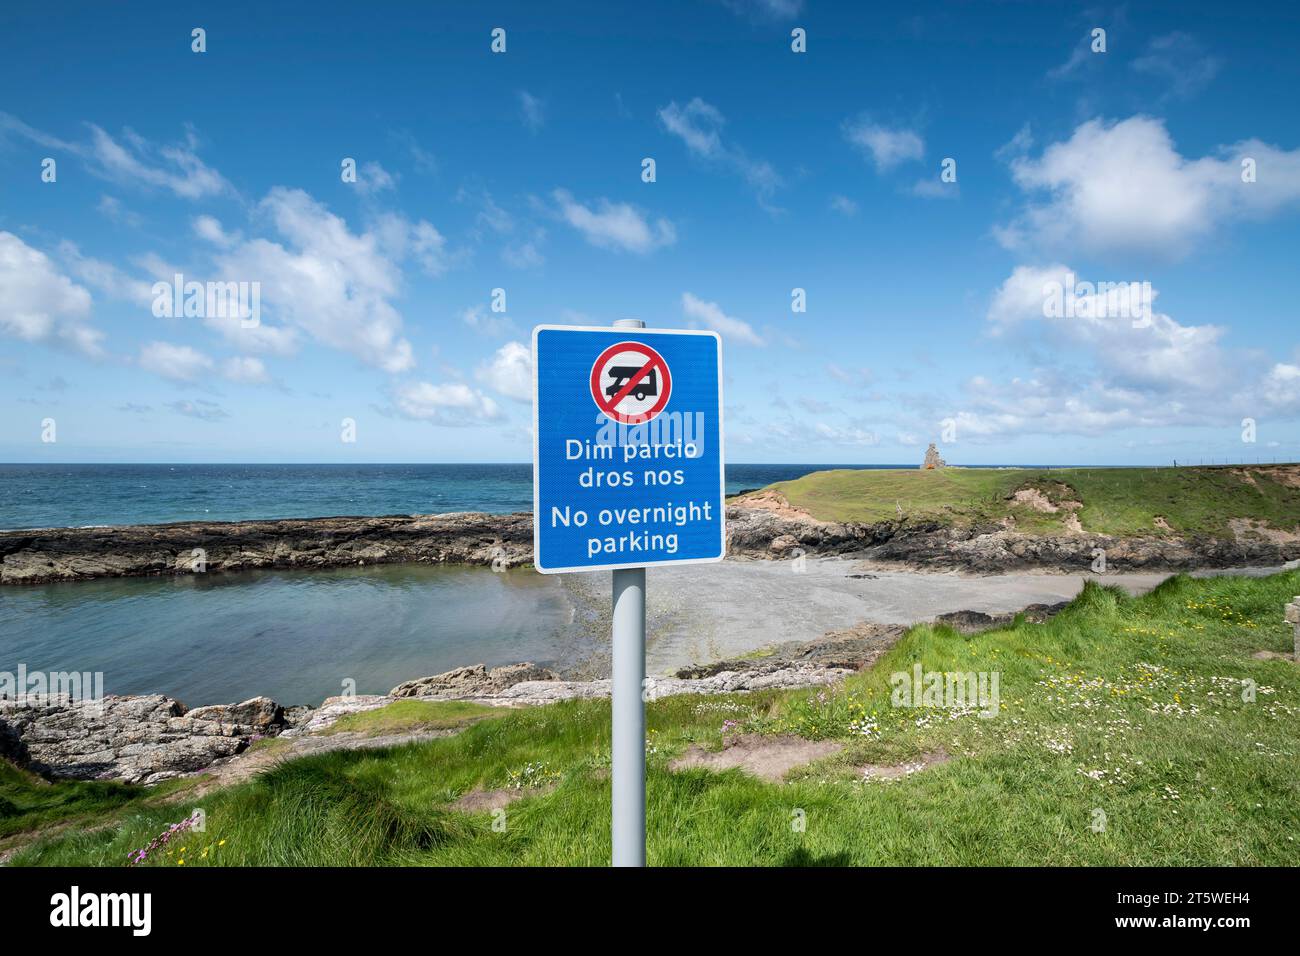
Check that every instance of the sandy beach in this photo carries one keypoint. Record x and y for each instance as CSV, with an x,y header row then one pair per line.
x,y
698,614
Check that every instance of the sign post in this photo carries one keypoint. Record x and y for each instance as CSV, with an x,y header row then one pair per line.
x,y
627,473
627,706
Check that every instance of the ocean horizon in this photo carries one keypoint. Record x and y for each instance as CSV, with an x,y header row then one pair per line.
x,y
48,495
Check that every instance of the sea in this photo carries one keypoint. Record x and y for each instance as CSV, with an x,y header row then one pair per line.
x,y
90,495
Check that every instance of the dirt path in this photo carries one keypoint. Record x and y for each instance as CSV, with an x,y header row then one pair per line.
x,y
278,750
768,758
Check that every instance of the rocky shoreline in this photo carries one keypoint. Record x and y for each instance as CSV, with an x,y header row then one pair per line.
x,y
146,739
759,526
150,738
71,554
764,525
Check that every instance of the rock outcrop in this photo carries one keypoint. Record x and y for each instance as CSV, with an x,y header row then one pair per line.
x,y
971,622
761,525
536,692
67,554
992,548
996,549
261,715
932,459
848,650
133,739
770,533
476,681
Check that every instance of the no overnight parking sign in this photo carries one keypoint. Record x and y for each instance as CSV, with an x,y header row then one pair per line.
x,y
627,453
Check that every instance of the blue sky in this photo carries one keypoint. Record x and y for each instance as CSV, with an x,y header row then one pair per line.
x,y
775,170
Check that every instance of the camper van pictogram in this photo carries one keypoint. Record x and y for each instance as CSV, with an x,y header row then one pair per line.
x,y
649,385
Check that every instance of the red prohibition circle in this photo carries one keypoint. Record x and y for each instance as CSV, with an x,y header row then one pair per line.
x,y
607,404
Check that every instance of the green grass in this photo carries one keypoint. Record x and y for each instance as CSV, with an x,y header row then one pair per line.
x,y
1133,707
411,716
30,804
27,801
1120,501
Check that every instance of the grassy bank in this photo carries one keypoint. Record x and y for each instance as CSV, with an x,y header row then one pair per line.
x,y
1138,709
1119,501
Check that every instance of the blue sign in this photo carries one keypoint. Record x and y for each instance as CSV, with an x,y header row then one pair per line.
x,y
627,448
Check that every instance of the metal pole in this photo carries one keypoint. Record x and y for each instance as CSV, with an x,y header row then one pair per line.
x,y
629,717
628,708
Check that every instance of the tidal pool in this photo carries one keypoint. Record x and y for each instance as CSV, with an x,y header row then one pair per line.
x,y
298,636
295,636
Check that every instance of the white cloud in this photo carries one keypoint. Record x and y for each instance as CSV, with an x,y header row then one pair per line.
x,y
176,168
815,406
40,304
1180,61
845,434
373,178
532,111
765,9
105,277
12,124
180,363
112,208
886,147
491,215
699,125
523,255
424,160
446,404
263,338
246,370
792,432
198,408
1161,374
1281,387
861,376
1078,56
614,225
327,281
710,314
935,188
209,229
156,266
1159,354
84,339
510,372
1122,186
399,238
1038,405
1017,145
487,323
844,205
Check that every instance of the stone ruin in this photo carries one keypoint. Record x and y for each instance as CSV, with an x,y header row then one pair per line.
x,y
932,459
